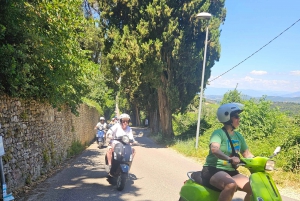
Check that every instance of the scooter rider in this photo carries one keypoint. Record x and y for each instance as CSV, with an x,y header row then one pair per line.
x,y
112,122
101,125
217,172
117,131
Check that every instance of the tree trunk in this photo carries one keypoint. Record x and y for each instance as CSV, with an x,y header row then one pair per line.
x,y
154,121
137,120
164,107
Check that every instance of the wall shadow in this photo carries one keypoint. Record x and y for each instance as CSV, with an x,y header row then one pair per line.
x,y
83,178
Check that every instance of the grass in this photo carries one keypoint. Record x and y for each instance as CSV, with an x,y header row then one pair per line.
x,y
75,149
284,180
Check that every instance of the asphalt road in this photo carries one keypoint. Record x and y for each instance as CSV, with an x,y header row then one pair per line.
x,y
157,174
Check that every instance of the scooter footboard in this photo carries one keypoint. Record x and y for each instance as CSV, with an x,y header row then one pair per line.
x,y
191,191
263,186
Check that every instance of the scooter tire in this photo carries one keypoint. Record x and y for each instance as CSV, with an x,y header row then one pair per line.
x,y
100,144
121,180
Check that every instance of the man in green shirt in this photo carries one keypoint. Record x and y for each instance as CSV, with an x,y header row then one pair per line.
x,y
219,170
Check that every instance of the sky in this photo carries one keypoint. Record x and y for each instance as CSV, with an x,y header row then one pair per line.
x,y
249,25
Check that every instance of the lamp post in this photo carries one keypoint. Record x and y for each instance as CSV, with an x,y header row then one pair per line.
x,y
204,16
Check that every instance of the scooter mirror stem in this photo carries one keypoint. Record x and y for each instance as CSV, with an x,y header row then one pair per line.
x,y
277,150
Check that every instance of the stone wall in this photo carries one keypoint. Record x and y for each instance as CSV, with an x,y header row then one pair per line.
x,y
37,137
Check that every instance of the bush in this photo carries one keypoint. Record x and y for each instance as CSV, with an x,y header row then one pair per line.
x,y
263,126
75,148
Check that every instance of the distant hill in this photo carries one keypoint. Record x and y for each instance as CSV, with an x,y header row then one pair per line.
x,y
283,99
289,108
216,94
218,98
249,92
295,94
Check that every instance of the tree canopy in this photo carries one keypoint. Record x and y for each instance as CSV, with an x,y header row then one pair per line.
x,y
157,48
40,53
148,52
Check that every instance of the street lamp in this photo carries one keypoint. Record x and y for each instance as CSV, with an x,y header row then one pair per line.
x,y
203,16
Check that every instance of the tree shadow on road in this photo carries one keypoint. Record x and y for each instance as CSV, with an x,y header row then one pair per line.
x,y
84,178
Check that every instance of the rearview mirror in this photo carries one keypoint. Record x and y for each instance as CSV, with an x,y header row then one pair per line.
x,y
277,150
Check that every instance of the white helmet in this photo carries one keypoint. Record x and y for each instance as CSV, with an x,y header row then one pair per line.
x,y
124,116
226,111
102,118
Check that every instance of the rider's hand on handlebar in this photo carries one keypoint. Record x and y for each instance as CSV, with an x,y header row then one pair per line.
x,y
234,160
134,143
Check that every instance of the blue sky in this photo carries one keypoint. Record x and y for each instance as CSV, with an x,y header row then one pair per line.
x,y
249,25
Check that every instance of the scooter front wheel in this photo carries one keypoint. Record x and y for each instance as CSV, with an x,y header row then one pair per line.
x,y
121,180
100,144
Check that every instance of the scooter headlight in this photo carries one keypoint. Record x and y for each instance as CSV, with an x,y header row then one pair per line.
x,y
125,139
270,165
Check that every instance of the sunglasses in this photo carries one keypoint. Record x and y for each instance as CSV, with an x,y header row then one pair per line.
x,y
125,121
236,116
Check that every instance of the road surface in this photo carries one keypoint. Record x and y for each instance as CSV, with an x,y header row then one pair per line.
x,y
157,174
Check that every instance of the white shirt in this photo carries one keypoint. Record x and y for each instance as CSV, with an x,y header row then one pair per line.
x,y
117,131
101,126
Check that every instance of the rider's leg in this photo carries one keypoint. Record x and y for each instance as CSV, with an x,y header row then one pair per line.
x,y
224,182
110,150
133,152
109,154
244,185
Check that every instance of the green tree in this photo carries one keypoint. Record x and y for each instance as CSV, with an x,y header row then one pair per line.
x,y
157,48
233,96
40,53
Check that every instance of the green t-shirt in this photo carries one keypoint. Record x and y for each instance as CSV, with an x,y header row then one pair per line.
x,y
219,136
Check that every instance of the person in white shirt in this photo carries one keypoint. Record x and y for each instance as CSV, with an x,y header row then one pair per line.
x,y
101,125
116,132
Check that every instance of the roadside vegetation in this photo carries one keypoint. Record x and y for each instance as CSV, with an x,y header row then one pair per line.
x,y
75,149
290,108
264,127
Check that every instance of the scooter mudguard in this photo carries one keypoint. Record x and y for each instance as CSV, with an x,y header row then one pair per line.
x,y
191,191
124,168
263,187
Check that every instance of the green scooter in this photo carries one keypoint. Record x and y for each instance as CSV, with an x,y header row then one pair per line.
x,y
261,182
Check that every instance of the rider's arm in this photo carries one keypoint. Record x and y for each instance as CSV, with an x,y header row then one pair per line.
x,y
217,138
112,131
108,133
215,149
96,126
130,135
247,154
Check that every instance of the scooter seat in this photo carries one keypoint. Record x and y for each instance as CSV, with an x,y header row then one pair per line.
x,y
197,177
